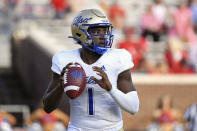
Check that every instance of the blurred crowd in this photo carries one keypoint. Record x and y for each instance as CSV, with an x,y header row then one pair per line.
x,y
175,26
38,120
166,117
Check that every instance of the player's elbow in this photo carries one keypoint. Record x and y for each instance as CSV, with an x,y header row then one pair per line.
x,y
134,103
48,108
134,108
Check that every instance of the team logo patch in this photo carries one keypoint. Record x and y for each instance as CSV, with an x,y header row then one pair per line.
x,y
103,68
90,81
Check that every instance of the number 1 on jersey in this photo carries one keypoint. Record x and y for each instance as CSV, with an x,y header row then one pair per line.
x,y
90,102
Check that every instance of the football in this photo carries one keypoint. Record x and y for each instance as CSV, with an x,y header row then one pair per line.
x,y
74,80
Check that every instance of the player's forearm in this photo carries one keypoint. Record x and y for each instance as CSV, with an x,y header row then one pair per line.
x,y
129,102
52,97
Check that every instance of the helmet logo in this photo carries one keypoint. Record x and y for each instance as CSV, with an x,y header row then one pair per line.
x,y
80,19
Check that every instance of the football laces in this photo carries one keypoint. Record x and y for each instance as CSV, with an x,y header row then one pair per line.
x,y
65,76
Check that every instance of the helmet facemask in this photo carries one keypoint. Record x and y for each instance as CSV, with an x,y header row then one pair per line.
x,y
99,37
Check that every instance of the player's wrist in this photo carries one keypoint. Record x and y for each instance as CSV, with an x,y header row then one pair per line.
x,y
111,90
109,87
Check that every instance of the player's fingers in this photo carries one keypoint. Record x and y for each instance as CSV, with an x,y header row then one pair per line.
x,y
96,68
94,79
98,73
66,67
101,74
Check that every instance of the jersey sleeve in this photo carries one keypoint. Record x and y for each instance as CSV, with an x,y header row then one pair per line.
x,y
56,65
125,61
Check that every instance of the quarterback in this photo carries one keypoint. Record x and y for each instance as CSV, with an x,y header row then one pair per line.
x,y
109,85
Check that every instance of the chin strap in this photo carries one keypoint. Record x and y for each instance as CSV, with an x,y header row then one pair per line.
x,y
99,50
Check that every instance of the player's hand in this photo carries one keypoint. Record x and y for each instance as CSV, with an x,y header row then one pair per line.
x,y
104,81
63,71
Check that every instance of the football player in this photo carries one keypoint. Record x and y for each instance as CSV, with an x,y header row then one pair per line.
x,y
109,85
